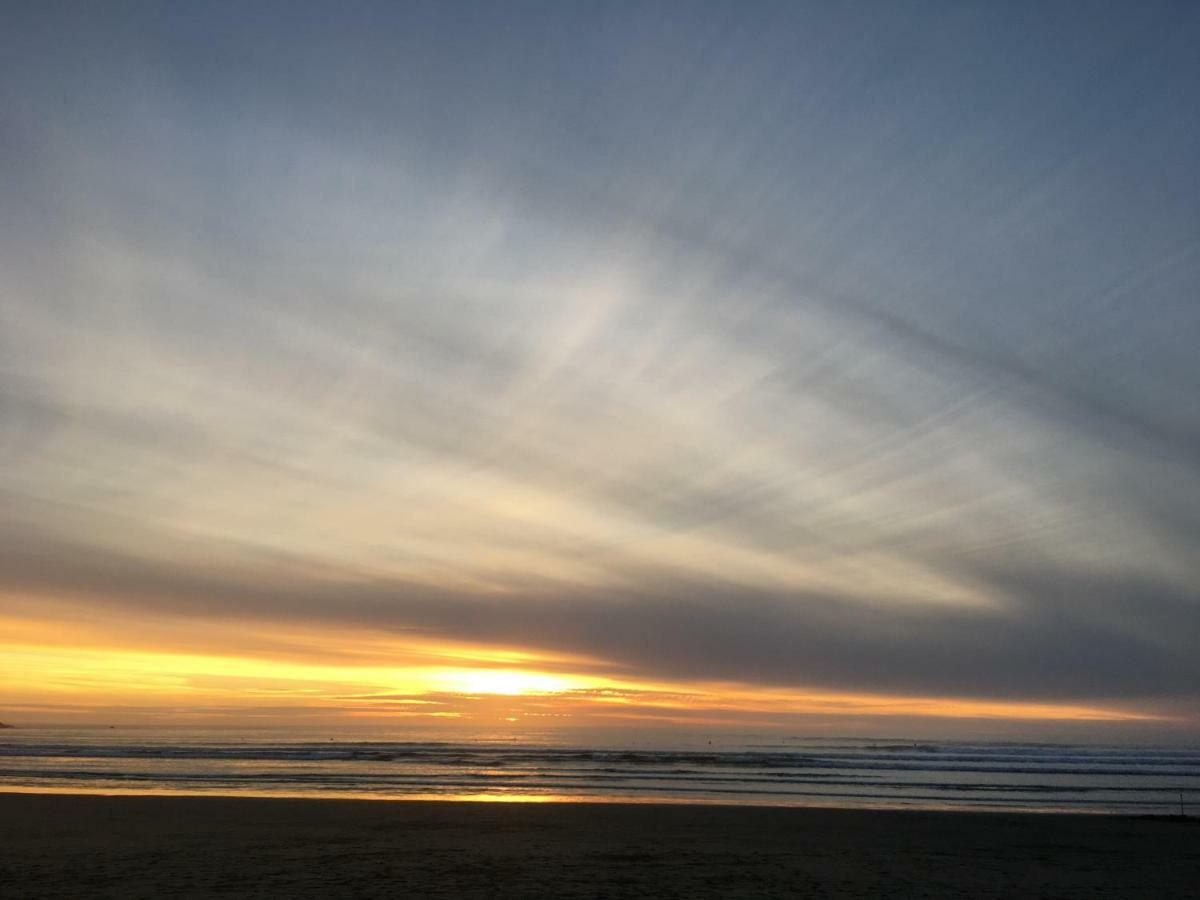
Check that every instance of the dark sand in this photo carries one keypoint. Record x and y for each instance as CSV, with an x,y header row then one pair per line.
x,y
88,846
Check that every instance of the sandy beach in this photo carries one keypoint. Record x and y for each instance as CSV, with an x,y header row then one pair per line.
x,y
94,846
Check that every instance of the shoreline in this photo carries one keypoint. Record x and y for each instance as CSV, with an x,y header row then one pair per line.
x,y
94,845
561,800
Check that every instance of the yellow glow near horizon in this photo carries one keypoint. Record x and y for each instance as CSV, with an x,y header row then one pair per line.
x,y
510,682
490,685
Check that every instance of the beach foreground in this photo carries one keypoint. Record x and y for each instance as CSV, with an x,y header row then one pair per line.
x,y
95,846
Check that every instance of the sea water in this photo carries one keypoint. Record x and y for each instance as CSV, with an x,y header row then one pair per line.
x,y
846,772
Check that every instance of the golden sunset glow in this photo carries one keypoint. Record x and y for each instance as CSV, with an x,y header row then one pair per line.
x,y
439,686
508,682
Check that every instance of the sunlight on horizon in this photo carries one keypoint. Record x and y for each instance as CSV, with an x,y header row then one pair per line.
x,y
60,683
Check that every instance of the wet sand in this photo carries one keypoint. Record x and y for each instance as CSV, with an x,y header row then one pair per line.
x,y
130,847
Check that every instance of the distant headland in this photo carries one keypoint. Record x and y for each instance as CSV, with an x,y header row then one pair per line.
x,y
6,725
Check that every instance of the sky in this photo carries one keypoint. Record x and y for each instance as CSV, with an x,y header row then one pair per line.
x,y
826,368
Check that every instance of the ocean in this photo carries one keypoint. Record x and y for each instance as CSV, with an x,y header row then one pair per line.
x,y
842,772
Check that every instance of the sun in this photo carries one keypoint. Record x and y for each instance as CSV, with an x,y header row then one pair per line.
x,y
507,682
